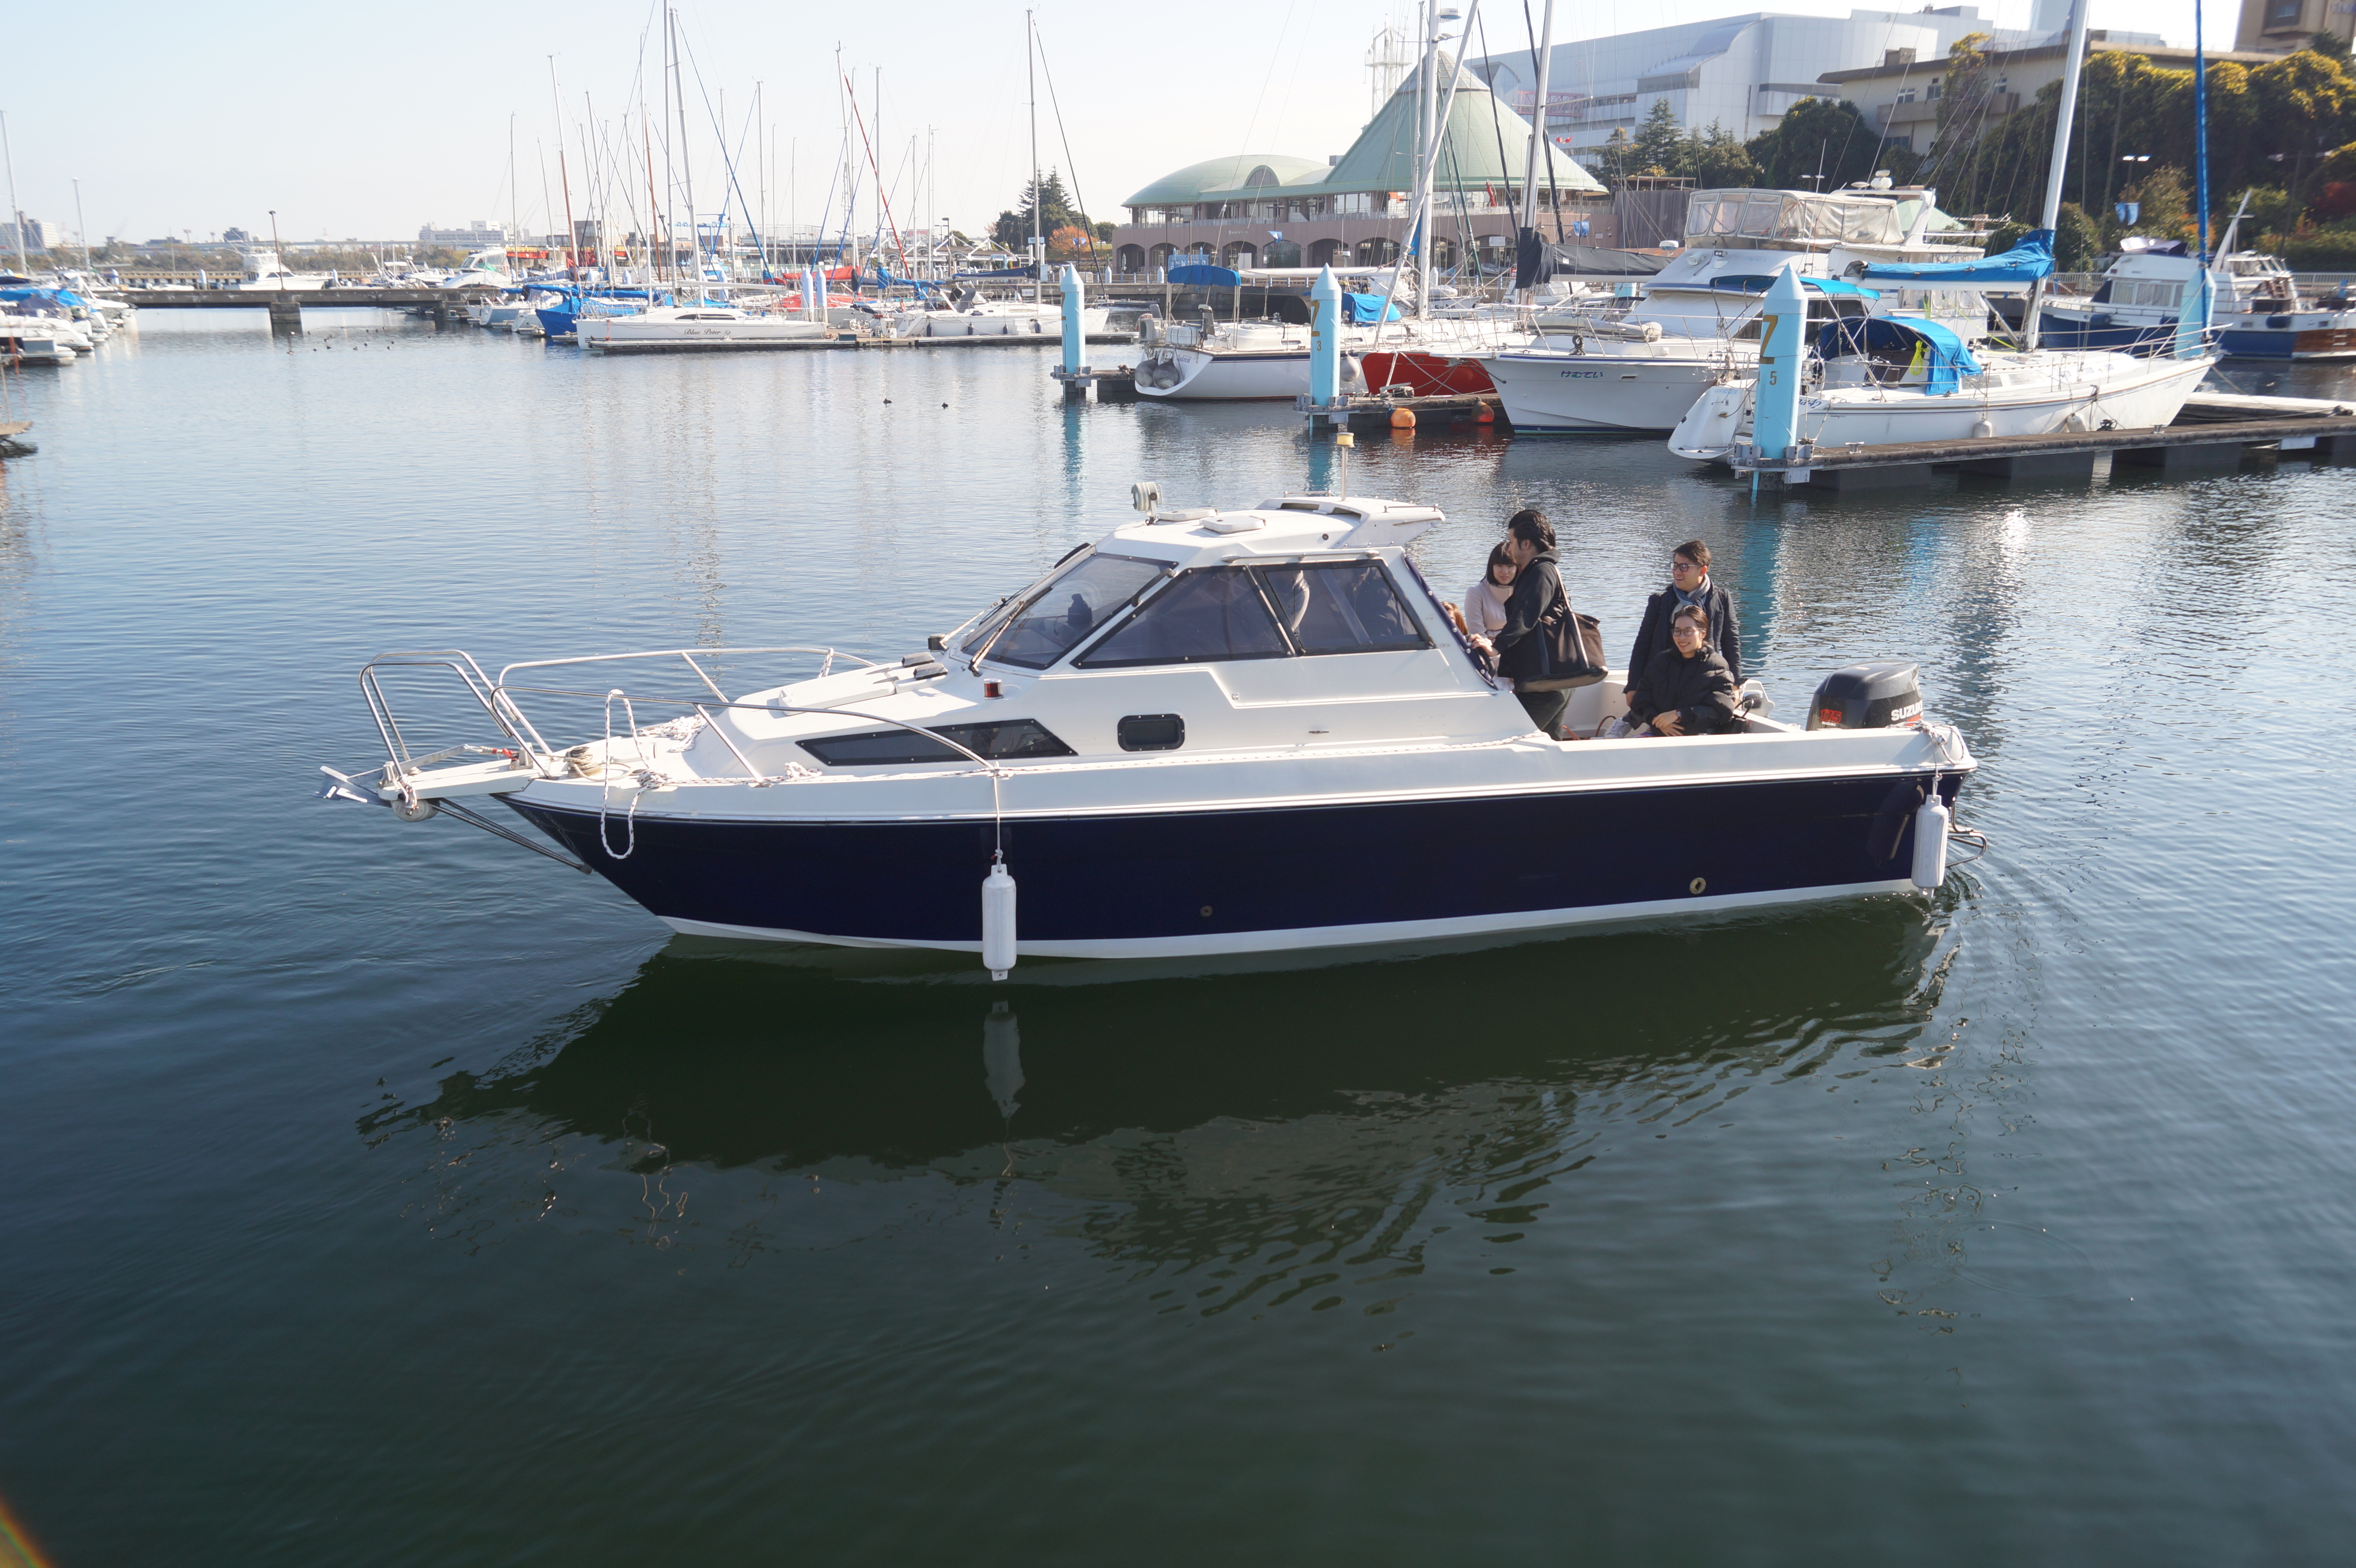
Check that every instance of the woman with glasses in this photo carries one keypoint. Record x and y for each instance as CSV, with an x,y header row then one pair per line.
x,y
1686,689
1689,583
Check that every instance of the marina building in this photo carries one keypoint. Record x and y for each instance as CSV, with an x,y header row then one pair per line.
x,y
1901,97
2285,27
1740,73
1274,209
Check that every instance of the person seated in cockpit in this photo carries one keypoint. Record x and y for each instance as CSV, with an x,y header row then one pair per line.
x,y
1686,689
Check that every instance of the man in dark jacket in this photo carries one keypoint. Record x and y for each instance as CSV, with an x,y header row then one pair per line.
x,y
1686,689
1689,583
1537,592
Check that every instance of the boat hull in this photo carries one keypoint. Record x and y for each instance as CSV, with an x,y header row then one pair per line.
x,y
1428,375
625,335
1246,377
1600,394
1244,880
2292,342
2152,398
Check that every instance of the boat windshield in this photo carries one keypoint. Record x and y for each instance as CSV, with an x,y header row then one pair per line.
x,y
1041,629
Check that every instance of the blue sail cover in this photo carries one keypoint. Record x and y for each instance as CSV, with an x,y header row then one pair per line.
x,y
1907,338
1364,310
2018,267
1204,276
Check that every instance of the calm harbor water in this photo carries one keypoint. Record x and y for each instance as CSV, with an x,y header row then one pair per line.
x,y
383,1194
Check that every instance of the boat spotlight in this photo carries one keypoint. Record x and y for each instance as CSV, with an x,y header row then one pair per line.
x,y
1145,497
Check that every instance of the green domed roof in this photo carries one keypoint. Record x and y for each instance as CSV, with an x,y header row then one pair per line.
x,y
1242,169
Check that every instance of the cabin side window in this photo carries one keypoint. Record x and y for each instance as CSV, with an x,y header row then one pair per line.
x,y
1208,614
1341,607
1010,740
1066,611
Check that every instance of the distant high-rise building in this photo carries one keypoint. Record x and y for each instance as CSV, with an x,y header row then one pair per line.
x,y
36,235
477,235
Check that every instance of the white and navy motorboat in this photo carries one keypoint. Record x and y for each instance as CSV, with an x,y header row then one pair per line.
x,y
1208,732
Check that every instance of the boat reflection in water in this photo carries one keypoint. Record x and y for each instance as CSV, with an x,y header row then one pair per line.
x,y
1311,1130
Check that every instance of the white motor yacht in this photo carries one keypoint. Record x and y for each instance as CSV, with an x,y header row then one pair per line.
x,y
38,340
1212,731
264,271
671,328
1699,319
483,270
992,318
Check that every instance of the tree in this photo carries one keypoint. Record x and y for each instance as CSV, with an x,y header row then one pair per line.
x,y
1014,228
1716,161
1827,136
1069,242
1658,144
2167,205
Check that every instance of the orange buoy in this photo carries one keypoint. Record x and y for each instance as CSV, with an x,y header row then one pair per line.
x,y
1487,416
1402,419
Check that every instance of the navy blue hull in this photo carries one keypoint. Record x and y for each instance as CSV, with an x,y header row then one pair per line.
x,y
1094,878
2057,333
2246,345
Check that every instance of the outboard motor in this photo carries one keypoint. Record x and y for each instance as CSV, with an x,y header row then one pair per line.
x,y
1149,331
1877,696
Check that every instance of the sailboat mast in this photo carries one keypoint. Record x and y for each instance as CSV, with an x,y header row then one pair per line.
x,y
1428,109
2065,111
1538,143
15,218
686,158
1031,64
564,175
2200,133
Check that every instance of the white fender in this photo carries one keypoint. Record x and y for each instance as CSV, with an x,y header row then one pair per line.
x,y
1931,824
998,921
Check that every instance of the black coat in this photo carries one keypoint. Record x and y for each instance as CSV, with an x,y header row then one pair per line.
x,y
1653,636
1699,689
1537,588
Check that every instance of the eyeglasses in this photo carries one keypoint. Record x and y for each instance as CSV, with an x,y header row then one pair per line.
x,y
1679,564
1685,629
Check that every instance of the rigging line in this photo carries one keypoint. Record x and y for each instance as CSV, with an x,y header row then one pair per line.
x,y
721,131
1505,168
1064,137
881,198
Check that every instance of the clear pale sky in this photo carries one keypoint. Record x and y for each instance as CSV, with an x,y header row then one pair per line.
x,y
363,121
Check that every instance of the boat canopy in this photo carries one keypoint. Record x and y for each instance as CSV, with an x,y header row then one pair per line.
x,y
1941,355
2027,261
1537,262
62,296
1751,284
1364,310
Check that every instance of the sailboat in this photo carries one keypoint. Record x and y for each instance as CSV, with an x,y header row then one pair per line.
x,y
1397,336
1900,378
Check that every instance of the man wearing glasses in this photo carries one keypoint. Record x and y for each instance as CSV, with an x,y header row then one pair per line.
x,y
1689,583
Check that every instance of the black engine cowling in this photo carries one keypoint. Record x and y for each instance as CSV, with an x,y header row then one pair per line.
x,y
1868,697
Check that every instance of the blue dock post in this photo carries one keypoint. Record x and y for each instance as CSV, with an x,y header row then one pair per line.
x,y
1075,296
1324,340
1775,395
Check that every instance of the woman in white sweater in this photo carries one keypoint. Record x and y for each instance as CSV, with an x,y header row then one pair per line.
x,y
1484,602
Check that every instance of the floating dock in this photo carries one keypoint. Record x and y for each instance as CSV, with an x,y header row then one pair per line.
x,y
1364,413
2214,434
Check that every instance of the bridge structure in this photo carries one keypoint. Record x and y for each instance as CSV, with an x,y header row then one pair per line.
x,y
286,306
